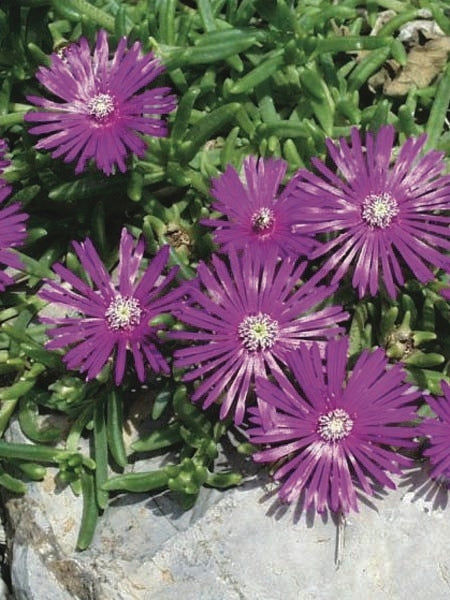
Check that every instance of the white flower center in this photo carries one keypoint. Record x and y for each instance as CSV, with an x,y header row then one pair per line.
x,y
335,425
62,51
123,313
262,220
259,332
100,106
378,210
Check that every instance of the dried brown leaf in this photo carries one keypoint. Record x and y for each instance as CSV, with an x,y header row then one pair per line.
x,y
423,65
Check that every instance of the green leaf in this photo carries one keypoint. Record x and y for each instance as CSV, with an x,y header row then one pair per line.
x,y
161,438
11,483
167,21
100,454
75,9
191,416
114,428
223,480
427,379
424,360
34,471
358,333
161,402
84,188
267,67
208,126
439,111
321,100
367,67
137,482
28,419
90,511
184,112
213,47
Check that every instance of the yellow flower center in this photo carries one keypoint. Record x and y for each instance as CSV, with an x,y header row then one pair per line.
x,y
258,332
378,210
101,106
124,313
335,425
262,220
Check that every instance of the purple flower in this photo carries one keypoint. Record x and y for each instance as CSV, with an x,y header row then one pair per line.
x,y
12,224
246,320
380,215
335,435
438,430
101,112
256,218
111,317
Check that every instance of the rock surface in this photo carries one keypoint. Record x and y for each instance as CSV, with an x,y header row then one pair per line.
x,y
4,591
241,544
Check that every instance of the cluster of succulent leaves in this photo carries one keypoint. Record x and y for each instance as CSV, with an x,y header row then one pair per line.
x,y
262,77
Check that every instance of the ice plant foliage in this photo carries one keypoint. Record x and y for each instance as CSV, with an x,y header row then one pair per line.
x,y
381,216
110,317
5,188
335,434
12,224
246,318
101,112
438,432
256,217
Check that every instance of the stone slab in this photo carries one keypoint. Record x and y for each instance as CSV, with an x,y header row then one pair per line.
x,y
240,544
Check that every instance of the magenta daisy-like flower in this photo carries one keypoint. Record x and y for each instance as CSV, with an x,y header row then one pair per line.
x,y
256,217
101,112
247,318
381,215
336,434
110,317
438,431
12,224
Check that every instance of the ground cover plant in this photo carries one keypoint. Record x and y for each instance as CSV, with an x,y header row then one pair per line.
x,y
239,211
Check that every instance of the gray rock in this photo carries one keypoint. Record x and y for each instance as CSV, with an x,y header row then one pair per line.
x,y
241,544
4,592
4,563
249,546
